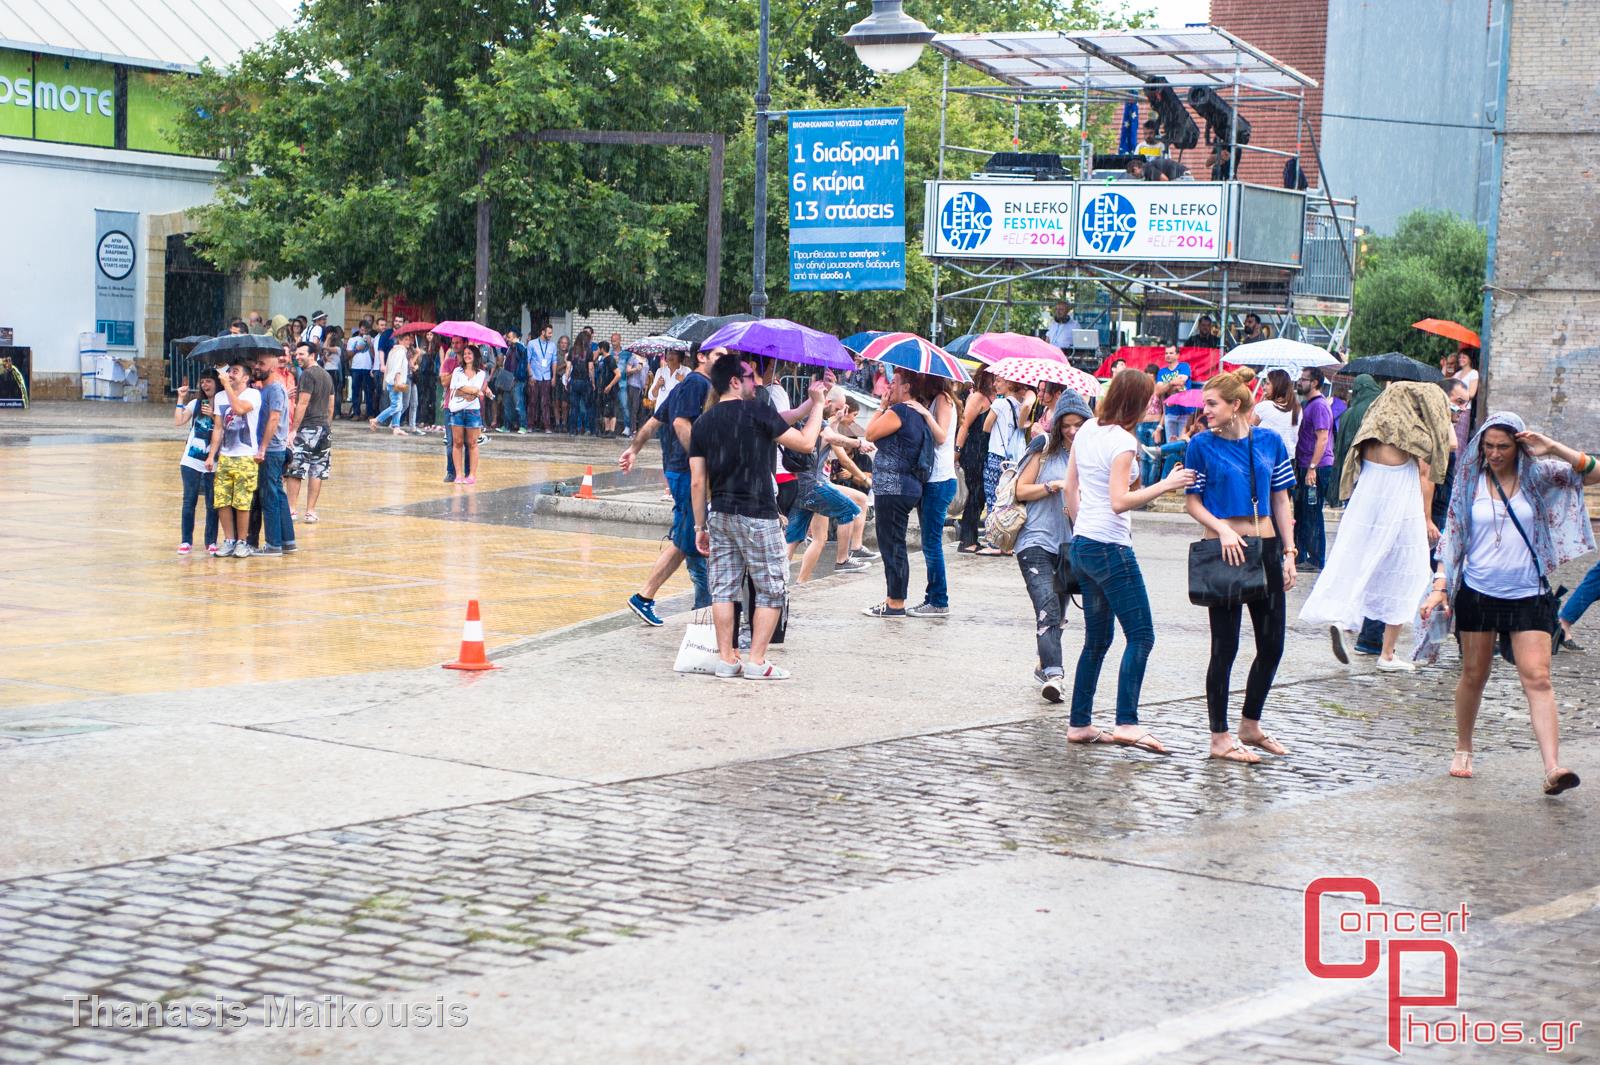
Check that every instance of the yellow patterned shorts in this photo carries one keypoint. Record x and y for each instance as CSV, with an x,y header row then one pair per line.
x,y
236,482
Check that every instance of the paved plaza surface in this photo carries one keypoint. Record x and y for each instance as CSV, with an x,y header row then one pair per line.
x,y
250,781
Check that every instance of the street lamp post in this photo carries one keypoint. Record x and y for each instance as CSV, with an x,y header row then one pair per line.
x,y
888,41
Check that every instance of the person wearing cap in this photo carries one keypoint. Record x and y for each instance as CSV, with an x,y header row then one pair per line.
x,y
313,332
1041,547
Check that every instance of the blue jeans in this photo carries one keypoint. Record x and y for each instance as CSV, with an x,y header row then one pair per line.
x,y
277,527
396,407
683,536
580,410
625,407
936,497
1582,597
1370,641
1171,455
514,407
1113,591
1146,433
1172,421
450,452
1310,535
197,485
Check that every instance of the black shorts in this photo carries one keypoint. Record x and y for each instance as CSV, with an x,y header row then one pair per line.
x,y
607,403
1476,612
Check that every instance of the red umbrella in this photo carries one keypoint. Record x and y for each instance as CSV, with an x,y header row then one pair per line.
x,y
1449,330
414,327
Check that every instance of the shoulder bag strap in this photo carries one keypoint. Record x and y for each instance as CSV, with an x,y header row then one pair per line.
x,y
1512,514
1255,510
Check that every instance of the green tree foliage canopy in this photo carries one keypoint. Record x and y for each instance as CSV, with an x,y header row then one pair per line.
x,y
356,144
1433,267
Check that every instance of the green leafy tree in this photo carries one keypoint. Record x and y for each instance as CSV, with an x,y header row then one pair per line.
x,y
1432,267
356,145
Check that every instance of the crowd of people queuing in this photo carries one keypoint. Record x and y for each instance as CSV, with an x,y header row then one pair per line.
x,y
1465,516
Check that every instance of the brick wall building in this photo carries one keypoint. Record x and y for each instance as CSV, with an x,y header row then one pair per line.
x,y
1294,32
1543,359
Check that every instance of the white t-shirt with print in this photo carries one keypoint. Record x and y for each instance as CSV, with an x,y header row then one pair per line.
x,y
238,430
668,380
459,379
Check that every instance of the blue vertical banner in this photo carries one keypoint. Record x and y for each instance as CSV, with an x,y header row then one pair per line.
x,y
847,200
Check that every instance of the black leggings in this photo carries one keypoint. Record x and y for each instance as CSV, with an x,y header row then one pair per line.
x,y
1268,617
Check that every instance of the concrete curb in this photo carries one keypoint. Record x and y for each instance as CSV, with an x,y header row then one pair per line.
x,y
602,509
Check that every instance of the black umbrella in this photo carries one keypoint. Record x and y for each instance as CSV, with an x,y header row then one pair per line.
x,y
696,327
242,343
1392,366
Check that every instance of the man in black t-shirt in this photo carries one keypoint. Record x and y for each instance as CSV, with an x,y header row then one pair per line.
x,y
736,507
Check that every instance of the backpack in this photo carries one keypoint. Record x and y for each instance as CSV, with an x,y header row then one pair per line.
x,y
1007,517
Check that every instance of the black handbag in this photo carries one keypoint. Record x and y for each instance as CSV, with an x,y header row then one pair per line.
x,y
1549,596
1213,581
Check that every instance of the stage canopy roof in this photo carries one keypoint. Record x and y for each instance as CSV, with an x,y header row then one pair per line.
x,y
1121,59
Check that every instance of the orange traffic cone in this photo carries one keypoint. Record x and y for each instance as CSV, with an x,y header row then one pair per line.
x,y
471,656
586,490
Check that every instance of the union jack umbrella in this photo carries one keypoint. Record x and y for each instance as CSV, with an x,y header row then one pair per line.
x,y
910,352
1032,372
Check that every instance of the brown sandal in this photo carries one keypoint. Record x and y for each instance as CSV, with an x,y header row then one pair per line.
x,y
1237,753
1266,743
1100,736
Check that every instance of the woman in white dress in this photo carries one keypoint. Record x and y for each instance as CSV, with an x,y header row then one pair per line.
x,y
1378,567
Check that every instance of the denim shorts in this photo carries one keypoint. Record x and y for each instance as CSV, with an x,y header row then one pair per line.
x,y
682,513
467,419
822,498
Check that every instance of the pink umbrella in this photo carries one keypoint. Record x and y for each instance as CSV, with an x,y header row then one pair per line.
x,y
1193,399
1032,372
471,331
992,347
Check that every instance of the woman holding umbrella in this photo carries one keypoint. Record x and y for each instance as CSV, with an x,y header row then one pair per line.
x,y
466,417
1007,439
1516,514
898,431
933,398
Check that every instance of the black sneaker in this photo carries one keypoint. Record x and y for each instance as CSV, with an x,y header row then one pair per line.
x,y
1337,638
884,610
928,610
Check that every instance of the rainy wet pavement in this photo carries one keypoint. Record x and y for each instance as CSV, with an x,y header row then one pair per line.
x,y
895,856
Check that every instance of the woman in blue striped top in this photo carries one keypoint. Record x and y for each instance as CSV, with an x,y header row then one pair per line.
x,y
1220,500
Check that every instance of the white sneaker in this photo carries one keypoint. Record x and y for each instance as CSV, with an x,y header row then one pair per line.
x,y
242,550
1395,665
764,671
226,550
728,670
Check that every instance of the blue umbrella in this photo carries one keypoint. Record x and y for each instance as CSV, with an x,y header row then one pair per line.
x,y
959,345
910,352
856,341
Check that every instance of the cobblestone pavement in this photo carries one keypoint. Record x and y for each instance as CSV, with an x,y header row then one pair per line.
x,y
394,904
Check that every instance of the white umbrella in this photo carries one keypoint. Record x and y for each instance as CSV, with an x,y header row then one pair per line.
x,y
1278,352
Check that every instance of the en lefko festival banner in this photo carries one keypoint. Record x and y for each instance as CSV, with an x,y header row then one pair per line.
x,y
847,200
1084,221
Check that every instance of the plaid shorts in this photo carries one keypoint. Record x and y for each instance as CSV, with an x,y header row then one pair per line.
x,y
235,484
311,454
741,545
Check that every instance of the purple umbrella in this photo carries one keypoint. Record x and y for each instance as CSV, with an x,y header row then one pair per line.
x,y
779,338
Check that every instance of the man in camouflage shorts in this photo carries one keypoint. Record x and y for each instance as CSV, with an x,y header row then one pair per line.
x,y
310,441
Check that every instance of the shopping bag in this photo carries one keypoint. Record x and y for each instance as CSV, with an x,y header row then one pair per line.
x,y
698,651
